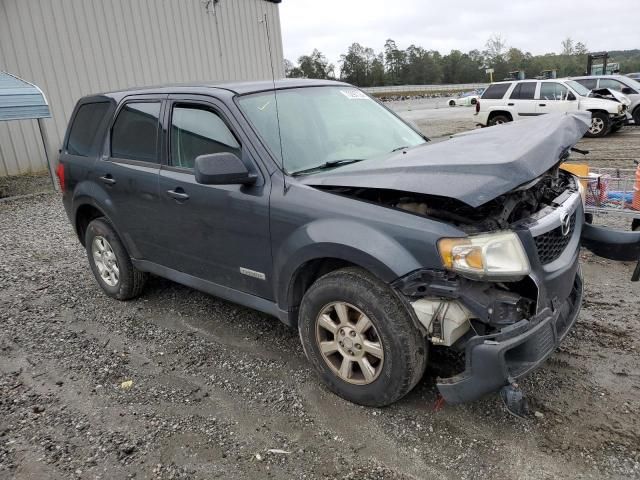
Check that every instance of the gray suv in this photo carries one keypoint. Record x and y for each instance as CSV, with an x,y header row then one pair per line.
x,y
312,202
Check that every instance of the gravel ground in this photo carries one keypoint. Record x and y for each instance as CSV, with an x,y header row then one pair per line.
x,y
215,386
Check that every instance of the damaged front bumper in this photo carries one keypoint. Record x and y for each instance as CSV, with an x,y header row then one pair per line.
x,y
493,361
520,342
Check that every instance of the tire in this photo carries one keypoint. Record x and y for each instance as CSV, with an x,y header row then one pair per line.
x,y
474,101
110,262
400,349
498,120
636,116
452,103
615,128
635,225
599,125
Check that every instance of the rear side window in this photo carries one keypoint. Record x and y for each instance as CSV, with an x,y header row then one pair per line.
x,y
197,131
85,128
524,91
589,83
612,84
496,91
134,135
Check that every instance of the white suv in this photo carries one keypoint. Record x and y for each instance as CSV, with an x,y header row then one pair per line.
x,y
507,101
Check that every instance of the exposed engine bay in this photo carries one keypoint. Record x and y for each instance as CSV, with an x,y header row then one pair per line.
x,y
496,214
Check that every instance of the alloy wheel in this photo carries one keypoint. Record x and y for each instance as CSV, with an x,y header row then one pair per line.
x,y
105,260
597,125
349,343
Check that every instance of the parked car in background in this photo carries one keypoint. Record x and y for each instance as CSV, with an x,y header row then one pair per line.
x,y
504,102
617,83
635,75
465,99
312,202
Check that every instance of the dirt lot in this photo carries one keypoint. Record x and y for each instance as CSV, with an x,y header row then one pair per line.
x,y
216,386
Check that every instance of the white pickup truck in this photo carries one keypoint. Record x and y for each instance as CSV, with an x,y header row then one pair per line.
x,y
507,101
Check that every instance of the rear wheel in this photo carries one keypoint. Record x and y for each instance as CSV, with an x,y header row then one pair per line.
x,y
635,224
110,262
474,101
599,125
499,120
452,103
360,338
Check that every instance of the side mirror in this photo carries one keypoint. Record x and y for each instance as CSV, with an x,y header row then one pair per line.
x,y
571,96
222,169
627,90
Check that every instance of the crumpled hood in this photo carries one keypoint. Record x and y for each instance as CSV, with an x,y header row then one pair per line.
x,y
618,96
473,167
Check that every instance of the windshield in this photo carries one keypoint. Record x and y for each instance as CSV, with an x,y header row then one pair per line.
x,y
325,126
578,88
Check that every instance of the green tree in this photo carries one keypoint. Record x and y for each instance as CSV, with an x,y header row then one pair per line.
x,y
315,65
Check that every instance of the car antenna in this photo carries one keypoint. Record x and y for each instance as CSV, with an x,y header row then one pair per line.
x,y
265,20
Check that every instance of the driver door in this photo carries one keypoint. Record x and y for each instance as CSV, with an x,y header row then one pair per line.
x,y
219,233
554,97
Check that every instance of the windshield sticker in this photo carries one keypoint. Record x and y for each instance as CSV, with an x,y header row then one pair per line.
x,y
354,94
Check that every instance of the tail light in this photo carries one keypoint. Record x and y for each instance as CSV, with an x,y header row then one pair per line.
x,y
60,175
478,106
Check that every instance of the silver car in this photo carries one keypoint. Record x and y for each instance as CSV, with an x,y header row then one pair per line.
x,y
620,83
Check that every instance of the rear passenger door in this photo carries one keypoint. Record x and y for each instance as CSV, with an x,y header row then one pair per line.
x,y
522,98
128,173
219,233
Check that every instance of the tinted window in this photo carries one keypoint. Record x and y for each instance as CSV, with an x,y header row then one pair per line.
x,y
524,91
196,131
589,83
496,91
85,128
553,91
135,133
612,84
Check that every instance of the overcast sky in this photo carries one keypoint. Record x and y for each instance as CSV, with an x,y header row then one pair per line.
x,y
537,26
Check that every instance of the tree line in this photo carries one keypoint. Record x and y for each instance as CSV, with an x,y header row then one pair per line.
x,y
415,65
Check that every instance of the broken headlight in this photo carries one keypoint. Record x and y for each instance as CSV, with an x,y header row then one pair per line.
x,y
494,256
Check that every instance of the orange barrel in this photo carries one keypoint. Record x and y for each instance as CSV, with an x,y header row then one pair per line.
x,y
636,191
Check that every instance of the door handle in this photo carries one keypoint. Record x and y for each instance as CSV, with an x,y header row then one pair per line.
x,y
178,194
542,104
108,179
510,104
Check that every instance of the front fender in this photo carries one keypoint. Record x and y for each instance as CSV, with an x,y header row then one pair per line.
x,y
341,239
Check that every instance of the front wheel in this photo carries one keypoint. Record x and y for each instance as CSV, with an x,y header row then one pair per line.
x,y
361,339
636,117
452,103
599,125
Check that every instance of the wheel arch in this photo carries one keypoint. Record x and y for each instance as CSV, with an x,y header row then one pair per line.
x,y
495,113
314,251
84,215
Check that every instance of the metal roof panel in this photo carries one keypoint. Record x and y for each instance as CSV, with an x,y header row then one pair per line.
x,y
20,100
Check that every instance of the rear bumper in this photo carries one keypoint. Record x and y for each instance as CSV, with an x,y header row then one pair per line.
x,y
496,360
